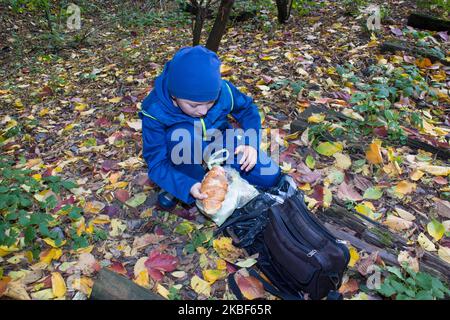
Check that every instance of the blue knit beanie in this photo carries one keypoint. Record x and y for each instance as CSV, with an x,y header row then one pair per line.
x,y
194,74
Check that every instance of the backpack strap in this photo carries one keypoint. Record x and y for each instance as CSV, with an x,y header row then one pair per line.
x,y
267,286
231,95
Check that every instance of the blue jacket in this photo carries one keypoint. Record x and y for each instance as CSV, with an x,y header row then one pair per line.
x,y
158,114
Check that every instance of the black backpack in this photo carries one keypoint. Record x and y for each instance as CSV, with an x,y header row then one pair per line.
x,y
296,252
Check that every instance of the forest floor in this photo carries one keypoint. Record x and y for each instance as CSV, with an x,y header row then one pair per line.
x,y
74,192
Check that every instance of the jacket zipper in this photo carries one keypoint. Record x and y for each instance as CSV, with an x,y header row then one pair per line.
x,y
203,128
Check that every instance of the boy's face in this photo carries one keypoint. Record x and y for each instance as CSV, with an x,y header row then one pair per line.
x,y
192,108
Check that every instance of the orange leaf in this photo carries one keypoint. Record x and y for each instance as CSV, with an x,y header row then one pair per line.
x,y
424,63
373,155
250,287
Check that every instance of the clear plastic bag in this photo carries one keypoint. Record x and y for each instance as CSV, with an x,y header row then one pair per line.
x,y
239,193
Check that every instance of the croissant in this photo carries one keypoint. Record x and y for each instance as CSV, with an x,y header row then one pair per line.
x,y
215,185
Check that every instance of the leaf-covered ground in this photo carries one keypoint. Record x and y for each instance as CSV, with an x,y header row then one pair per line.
x,y
71,142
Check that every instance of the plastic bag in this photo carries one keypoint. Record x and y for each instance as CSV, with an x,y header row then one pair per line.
x,y
246,223
240,192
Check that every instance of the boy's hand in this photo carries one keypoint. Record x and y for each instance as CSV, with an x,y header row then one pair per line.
x,y
196,193
249,157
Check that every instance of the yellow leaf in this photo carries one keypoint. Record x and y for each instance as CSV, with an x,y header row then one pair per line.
x,y
424,63
436,229
373,155
224,246
162,291
43,112
426,243
221,264
83,284
49,255
316,118
436,170
4,250
58,285
80,106
200,286
286,167
115,99
212,275
94,207
354,257
101,219
366,208
51,242
18,103
225,70
142,278
405,187
444,253
416,175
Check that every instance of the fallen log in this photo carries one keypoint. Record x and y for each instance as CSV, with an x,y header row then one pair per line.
x,y
301,124
372,236
427,22
394,46
110,285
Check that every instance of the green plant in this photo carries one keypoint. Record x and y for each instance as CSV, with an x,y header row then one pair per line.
x,y
409,285
28,206
305,7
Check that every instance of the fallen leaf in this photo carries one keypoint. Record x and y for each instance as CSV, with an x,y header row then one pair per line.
x,y
94,207
58,285
157,263
397,223
329,148
250,287
436,170
354,256
373,193
137,200
200,286
426,243
349,287
405,258
343,161
405,187
405,214
212,275
435,229
444,253
373,155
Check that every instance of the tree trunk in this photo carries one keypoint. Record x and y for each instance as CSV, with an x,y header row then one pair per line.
x,y
198,25
220,25
284,10
110,285
422,21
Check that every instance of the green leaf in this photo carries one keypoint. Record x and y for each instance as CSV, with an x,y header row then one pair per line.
x,y
310,162
373,193
386,290
424,295
396,271
67,184
436,229
329,148
137,200
184,228
424,280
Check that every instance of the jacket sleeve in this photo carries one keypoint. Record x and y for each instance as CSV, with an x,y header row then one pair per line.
x,y
246,113
160,169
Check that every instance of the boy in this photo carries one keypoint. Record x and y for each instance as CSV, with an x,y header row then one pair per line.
x,y
190,100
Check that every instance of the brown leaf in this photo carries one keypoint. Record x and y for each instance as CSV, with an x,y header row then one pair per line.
x,y
347,192
350,287
250,287
146,239
442,207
